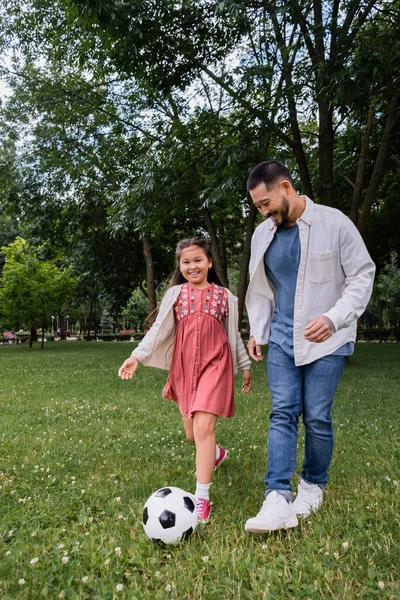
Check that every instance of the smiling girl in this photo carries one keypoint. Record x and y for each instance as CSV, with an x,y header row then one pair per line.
x,y
196,337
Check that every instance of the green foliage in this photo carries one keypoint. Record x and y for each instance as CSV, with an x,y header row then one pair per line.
x,y
385,301
31,287
82,451
133,127
136,312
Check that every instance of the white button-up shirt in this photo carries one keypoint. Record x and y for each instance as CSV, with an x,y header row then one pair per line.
x,y
335,279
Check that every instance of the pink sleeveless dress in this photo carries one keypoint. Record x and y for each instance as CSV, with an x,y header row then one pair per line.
x,y
201,374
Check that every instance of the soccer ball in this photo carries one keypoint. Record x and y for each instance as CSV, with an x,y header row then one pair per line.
x,y
169,515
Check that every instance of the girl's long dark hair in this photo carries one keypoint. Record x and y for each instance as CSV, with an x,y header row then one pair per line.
x,y
177,277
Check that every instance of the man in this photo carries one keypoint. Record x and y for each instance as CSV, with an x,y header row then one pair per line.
x,y
310,279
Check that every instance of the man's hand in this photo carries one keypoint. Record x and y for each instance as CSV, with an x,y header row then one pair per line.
x,y
247,381
319,330
128,368
254,349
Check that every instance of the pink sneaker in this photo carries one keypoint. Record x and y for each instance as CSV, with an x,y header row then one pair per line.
x,y
223,455
203,509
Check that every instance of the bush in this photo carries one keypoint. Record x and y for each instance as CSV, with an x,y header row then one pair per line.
x,y
114,337
380,334
23,337
138,336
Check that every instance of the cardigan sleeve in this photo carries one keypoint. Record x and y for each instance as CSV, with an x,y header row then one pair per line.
x,y
145,347
242,359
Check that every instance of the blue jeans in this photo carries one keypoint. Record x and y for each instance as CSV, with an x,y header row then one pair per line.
x,y
308,391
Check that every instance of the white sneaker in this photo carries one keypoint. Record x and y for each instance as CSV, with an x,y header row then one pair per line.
x,y
276,513
309,498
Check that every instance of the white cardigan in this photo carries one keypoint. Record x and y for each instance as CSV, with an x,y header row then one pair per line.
x,y
155,350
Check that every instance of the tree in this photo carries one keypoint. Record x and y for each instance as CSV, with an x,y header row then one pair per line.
x,y
106,322
32,288
385,301
161,127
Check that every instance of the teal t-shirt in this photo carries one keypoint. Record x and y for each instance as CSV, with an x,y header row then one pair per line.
x,y
281,263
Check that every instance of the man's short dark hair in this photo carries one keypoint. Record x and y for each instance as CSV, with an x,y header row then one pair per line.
x,y
269,173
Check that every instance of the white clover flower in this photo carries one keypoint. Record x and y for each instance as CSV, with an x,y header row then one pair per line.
x,y
264,547
381,585
10,533
85,579
61,594
83,491
64,560
107,561
8,552
119,587
120,516
388,479
168,587
33,534
118,499
21,581
336,554
345,545
60,546
205,558
118,551
34,560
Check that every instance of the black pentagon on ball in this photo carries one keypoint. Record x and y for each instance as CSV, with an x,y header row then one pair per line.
x,y
163,492
186,534
167,519
189,504
145,517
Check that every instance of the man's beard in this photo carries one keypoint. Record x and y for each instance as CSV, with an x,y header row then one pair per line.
x,y
284,215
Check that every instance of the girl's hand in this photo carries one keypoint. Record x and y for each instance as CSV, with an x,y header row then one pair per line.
x,y
247,382
128,368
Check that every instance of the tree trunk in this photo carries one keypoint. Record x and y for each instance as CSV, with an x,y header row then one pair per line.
x,y
89,320
62,329
362,159
379,166
43,325
222,249
34,337
244,268
219,267
325,192
151,288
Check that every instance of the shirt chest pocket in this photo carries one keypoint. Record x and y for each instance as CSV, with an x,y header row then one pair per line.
x,y
322,266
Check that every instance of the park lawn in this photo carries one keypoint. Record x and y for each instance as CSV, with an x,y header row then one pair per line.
x,y
81,450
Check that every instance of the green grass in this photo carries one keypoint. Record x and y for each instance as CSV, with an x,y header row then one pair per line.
x,y
80,452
